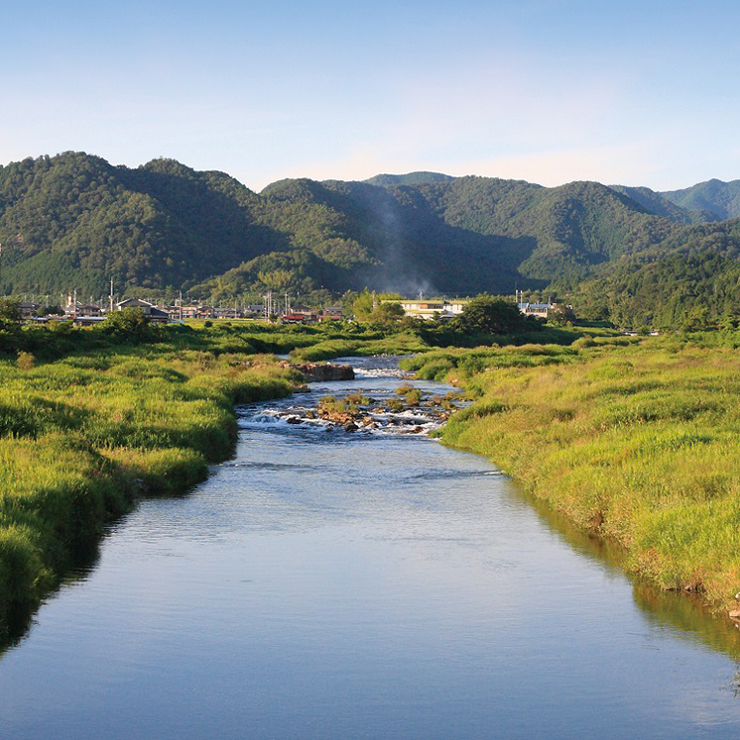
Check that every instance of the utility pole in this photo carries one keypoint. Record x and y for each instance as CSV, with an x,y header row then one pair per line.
x,y
110,296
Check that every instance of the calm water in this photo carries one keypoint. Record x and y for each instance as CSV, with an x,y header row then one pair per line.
x,y
330,585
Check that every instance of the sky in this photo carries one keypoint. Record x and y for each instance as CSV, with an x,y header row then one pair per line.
x,y
549,91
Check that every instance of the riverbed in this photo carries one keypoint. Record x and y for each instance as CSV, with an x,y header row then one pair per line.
x,y
373,584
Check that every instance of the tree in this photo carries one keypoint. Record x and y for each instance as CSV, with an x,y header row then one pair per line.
x,y
130,324
560,315
10,311
487,314
377,308
10,325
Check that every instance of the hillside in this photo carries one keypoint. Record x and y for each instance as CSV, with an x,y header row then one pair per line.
x,y
657,203
411,178
689,280
74,220
721,199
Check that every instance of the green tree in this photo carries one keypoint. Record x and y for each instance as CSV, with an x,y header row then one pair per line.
x,y
10,325
560,315
377,308
487,314
130,324
10,311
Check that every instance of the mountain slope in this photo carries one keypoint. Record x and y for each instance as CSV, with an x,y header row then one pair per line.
x,y
411,178
692,276
658,204
722,199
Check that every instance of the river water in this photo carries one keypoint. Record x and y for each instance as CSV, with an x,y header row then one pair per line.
x,y
324,584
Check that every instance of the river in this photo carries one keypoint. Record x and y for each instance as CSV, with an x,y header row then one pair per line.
x,y
325,584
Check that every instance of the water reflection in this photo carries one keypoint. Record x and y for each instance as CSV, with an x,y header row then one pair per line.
x,y
684,612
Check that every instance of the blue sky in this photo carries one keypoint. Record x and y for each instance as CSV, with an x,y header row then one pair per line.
x,y
636,93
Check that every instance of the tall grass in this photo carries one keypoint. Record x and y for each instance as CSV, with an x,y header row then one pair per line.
x,y
634,440
81,438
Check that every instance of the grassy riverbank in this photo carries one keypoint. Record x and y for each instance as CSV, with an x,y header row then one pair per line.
x,y
81,438
636,440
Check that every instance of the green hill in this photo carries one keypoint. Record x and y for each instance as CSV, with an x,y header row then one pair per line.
x,y
74,220
658,204
692,278
412,178
721,199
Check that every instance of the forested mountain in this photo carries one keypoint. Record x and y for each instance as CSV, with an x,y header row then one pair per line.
x,y
74,220
660,205
691,279
411,178
721,199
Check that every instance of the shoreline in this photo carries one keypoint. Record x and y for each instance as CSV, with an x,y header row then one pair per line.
x,y
68,488
631,442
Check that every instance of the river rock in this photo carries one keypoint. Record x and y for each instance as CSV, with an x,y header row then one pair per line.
x,y
322,371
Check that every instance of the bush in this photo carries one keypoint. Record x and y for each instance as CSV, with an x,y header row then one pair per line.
x,y
25,360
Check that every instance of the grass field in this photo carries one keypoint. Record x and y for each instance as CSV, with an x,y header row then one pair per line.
x,y
635,440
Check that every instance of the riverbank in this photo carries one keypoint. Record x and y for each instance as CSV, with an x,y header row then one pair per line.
x,y
93,419
635,440
82,438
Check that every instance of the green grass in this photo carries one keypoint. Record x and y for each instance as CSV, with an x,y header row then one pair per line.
x,y
82,437
635,440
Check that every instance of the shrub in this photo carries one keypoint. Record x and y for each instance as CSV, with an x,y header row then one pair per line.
x,y
25,360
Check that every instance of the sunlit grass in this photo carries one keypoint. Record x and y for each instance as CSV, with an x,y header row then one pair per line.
x,y
639,442
81,438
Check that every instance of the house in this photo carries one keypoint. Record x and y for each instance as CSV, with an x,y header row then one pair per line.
x,y
88,310
226,312
292,318
205,312
433,308
304,311
541,310
156,315
28,310
331,313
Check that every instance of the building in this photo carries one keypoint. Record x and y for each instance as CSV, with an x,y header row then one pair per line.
x,y
28,310
433,308
88,310
331,313
227,312
154,314
540,310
